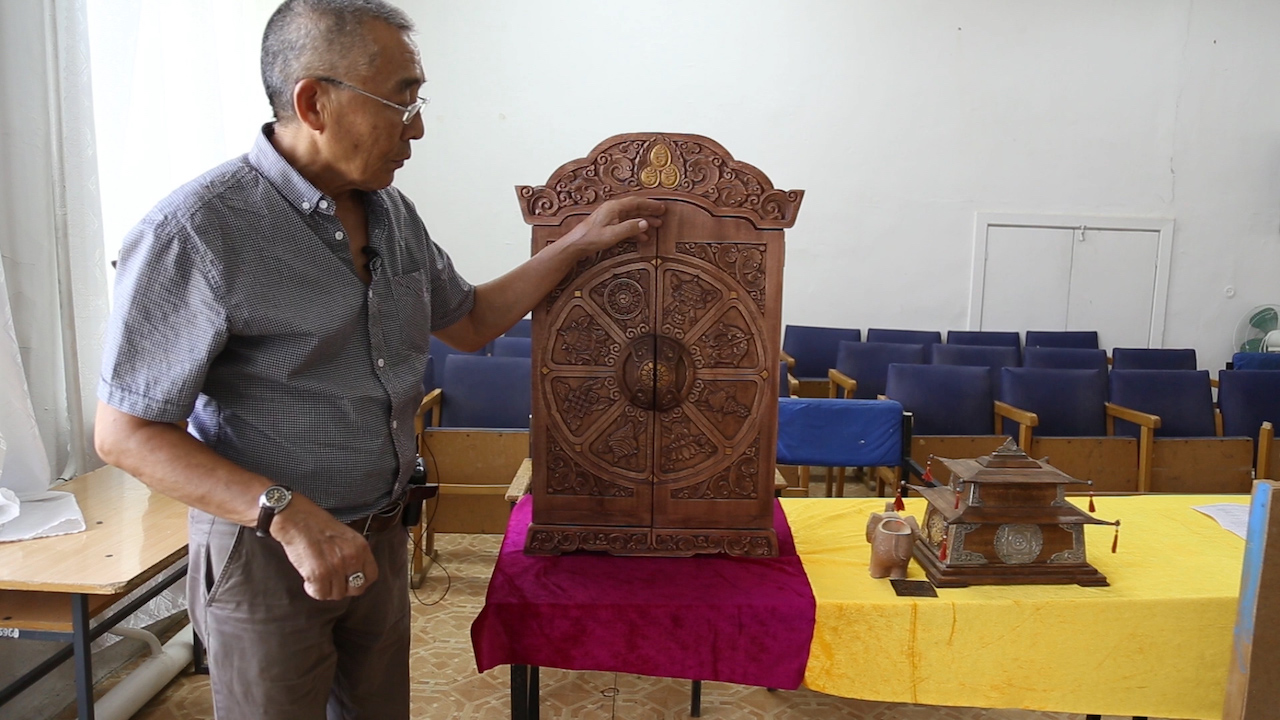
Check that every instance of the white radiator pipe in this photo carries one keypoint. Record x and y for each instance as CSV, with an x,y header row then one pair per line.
x,y
148,679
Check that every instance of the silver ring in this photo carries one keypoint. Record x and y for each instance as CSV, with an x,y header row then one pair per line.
x,y
355,579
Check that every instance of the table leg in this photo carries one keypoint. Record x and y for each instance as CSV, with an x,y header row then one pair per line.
x,y
519,692
533,692
84,660
199,662
695,699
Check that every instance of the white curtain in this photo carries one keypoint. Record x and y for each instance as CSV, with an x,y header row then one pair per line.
x,y
50,228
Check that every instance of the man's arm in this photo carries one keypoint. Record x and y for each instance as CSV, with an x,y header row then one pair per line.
x,y
499,303
174,463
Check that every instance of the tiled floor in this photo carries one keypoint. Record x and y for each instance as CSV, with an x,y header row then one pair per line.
x,y
446,684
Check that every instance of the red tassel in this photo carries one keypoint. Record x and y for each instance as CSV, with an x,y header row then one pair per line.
x,y
927,477
1115,540
942,549
1091,507
898,504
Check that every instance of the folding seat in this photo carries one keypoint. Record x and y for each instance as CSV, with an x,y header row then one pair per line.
x,y
1153,359
928,338
1249,401
1065,358
1180,447
1255,361
811,352
987,338
1063,414
994,358
861,368
1087,339
477,437
952,409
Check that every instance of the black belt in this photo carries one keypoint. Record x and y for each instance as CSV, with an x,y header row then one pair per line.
x,y
379,521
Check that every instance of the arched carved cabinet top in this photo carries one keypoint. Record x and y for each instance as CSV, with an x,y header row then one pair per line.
x,y
684,167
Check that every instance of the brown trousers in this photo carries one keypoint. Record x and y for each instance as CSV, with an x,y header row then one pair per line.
x,y
275,653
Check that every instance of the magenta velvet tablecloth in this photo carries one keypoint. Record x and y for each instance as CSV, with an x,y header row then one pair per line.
x,y
709,617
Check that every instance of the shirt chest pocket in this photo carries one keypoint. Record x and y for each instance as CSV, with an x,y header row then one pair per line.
x,y
413,308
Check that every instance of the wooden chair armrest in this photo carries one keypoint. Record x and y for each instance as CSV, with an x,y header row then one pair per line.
x,y
1121,412
519,486
793,385
430,402
835,378
1018,415
791,362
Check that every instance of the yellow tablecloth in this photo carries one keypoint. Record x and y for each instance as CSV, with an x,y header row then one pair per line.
x,y
1156,642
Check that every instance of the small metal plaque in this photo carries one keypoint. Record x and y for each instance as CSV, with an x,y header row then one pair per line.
x,y
913,588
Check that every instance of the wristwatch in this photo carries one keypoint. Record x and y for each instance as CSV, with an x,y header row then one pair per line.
x,y
270,503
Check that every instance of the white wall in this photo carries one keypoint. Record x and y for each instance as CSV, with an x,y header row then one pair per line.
x,y
899,119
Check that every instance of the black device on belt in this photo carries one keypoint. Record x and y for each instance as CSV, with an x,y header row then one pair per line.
x,y
417,492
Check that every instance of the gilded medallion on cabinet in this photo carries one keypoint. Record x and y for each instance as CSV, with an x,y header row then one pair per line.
x,y
655,404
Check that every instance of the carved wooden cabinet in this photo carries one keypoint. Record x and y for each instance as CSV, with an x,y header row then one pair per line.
x,y
654,391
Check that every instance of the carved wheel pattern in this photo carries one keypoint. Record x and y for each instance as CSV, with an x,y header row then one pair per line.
x,y
688,165
1019,543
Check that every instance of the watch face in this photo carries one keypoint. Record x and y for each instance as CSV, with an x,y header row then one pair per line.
x,y
275,497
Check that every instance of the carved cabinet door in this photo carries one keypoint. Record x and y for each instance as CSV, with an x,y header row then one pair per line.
x,y
718,288
593,431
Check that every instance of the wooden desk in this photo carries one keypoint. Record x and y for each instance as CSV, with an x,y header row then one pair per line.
x,y
50,588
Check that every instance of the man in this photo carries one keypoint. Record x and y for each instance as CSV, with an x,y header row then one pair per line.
x,y
283,303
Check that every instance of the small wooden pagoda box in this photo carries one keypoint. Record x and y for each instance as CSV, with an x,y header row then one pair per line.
x,y
1003,519
655,362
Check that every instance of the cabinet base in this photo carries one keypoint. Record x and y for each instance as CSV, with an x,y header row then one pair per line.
x,y
660,542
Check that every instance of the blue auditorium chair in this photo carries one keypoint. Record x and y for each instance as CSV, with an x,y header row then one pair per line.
x,y
1250,405
1153,359
1063,414
1181,449
473,445
1061,358
987,338
1255,361
1063,339
862,368
952,409
927,338
994,358
811,352
435,369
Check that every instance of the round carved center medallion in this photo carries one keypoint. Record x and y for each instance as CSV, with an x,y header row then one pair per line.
x,y
656,372
624,298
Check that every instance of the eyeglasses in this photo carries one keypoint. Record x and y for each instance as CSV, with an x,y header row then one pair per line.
x,y
410,111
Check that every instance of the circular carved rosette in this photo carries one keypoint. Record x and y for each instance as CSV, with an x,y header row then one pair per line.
x,y
656,372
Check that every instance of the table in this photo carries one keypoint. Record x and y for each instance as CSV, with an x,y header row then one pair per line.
x,y
708,617
50,588
1157,642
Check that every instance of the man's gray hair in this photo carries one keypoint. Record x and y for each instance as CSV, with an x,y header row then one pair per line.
x,y
320,38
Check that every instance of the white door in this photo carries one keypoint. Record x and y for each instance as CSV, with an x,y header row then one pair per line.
x,y
1113,281
1054,273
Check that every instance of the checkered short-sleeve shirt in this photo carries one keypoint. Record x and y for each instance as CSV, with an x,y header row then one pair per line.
x,y
237,307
